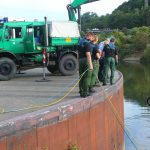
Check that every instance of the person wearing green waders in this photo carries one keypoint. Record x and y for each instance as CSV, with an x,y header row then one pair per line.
x,y
111,59
95,61
85,63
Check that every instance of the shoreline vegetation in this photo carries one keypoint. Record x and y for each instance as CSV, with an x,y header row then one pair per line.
x,y
133,44
134,58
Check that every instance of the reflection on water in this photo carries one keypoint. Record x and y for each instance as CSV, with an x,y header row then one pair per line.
x,y
137,113
137,120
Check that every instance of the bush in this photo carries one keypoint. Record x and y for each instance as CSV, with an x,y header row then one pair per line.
x,y
146,58
147,51
73,147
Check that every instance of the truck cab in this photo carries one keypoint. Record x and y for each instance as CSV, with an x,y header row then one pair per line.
x,y
20,37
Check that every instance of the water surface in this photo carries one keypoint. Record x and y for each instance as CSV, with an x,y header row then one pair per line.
x,y
137,112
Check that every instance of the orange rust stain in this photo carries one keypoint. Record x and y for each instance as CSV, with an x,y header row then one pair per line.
x,y
83,130
100,127
43,138
22,141
72,128
30,138
3,144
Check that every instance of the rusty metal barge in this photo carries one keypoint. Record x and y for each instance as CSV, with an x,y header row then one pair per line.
x,y
42,116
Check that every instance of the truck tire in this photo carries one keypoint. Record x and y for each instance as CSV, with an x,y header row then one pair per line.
x,y
52,69
68,65
7,69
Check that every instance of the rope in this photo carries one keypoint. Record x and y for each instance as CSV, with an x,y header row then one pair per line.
x,y
120,121
3,111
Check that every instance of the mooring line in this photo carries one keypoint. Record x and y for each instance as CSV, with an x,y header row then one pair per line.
x,y
3,111
120,121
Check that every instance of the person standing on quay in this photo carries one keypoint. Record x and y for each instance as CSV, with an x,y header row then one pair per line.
x,y
95,61
85,63
111,58
101,60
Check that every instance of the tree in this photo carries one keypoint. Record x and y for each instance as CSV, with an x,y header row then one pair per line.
x,y
89,20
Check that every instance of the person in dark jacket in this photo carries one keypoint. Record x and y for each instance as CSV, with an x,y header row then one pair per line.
x,y
111,58
95,61
85,63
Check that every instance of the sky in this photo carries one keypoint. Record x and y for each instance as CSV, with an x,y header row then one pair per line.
x,y
52,9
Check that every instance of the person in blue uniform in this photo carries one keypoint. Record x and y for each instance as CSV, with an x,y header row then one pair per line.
x,y
101,60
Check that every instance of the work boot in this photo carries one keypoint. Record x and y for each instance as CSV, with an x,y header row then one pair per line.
x,y
84,95
92,90
104,84
112,82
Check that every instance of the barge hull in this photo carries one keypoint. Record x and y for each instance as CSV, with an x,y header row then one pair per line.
x,y
89,123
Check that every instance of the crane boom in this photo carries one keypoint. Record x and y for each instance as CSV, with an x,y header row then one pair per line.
x,y
75,7
77,3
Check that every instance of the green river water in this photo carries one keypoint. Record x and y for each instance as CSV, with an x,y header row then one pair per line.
x,y
136,109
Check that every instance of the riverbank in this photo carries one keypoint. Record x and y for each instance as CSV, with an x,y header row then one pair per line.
x,y
134,58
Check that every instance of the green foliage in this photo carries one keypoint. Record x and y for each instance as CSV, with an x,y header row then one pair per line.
x,y
131,5
131,41
89,20
73,147
147,51
140,41
128,15
146,15
146,57
145,60
135,40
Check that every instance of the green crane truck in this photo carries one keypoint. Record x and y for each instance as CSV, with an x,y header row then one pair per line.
x,y
22,44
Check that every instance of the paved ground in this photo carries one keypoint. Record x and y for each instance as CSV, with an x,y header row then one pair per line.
x,y
24,91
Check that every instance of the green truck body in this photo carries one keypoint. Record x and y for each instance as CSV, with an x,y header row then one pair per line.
x,y
22,45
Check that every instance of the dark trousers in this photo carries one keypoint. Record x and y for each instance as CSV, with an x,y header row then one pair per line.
x,y
86,78
109,64
94,73
101,70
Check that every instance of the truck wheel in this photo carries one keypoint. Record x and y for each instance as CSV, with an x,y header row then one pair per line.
x,y
52,69
7,69
68,65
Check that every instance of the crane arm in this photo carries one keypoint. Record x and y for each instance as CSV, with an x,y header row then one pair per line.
x,y
77,3
75,7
